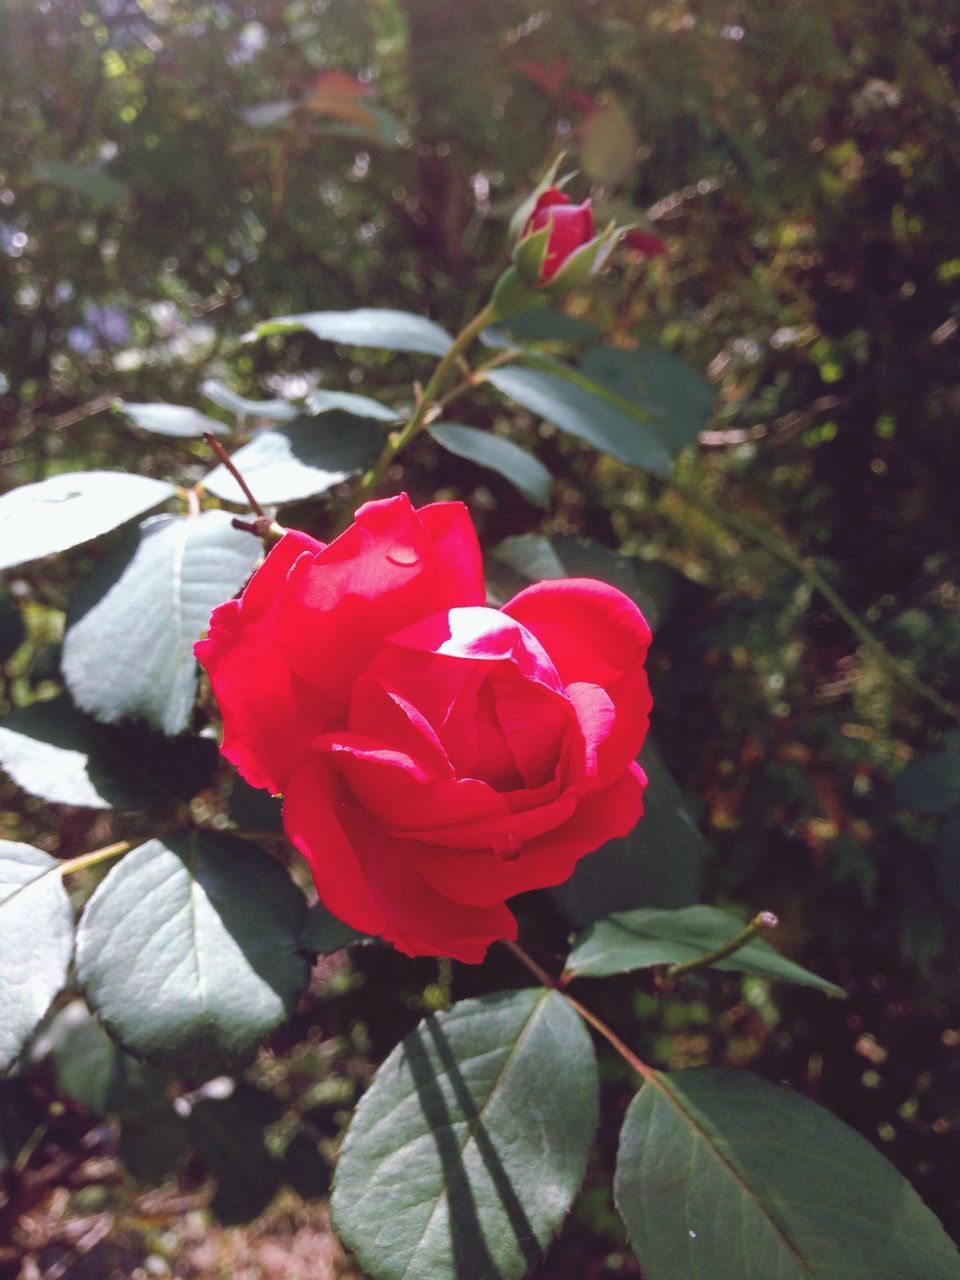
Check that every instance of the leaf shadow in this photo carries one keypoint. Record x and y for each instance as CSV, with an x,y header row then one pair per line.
x,y
471,1254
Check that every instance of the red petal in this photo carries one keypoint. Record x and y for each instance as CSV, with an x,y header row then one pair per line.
x,y
480,876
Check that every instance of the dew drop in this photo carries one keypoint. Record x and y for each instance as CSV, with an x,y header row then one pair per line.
x,y
405,557
507,847
692,1235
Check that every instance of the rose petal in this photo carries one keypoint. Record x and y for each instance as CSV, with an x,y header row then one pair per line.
x,y
380,575
379,711
595,633
480,876
269,715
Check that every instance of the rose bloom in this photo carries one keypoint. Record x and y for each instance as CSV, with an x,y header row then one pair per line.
x,y
435,756
571,225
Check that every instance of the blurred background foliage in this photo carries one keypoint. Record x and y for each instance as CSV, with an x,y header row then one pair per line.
x,y
170,174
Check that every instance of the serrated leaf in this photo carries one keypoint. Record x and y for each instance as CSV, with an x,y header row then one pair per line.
x,y
539,324
377,327
586,413
533,558
221,968
630,940
300,460
504,457
722,1174
131,627
52,751
171,419
36,942
659,864
458,1161
321,401
275,410
228,1134
678,400
323,932
64,510
92,1069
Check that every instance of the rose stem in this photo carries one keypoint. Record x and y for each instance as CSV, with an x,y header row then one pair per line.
x,y
784,552
70,865
626,1053
761,922
426,403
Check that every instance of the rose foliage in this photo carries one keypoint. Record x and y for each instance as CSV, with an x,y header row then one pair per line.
x,y
436,756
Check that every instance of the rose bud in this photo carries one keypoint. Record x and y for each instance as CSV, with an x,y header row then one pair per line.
x,y
435,756
568,227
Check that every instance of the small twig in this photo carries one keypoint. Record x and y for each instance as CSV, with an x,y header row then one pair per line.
x,y
759,924
84,860
212,442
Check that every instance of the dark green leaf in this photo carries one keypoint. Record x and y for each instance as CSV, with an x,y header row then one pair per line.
x,y
151,1143
131,627
187,950
640,939
301,460
539,324
522,469
92,1069
659,864
21,1114
274,410
722,1174
931,784
36,942
13,632
586,412
65,510
228,1134
171,419
459,1162
52,751
533,557
304,1168
365,327
252,809
678,400
102,190
323,932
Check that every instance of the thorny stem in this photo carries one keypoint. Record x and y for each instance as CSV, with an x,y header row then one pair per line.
x,y
761,922
425,408
70,865
643,1070
784,552
213,443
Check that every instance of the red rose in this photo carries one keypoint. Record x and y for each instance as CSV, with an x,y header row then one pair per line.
x,y
436,756
571,225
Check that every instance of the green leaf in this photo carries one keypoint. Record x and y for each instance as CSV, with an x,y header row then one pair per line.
x,y
64,510
674,395
630,940
659,864
102,190
722,1174
36,942
585,412
170,419
539,324
365,327
13,630
131,627
92,1069
52,751
151,1142
930,784
359,406
522,469
187,950
274,410
300,460
533,557
459,1162
228,1134
323,932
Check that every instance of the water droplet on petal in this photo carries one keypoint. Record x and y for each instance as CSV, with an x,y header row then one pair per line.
x,y
507,847
405,557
